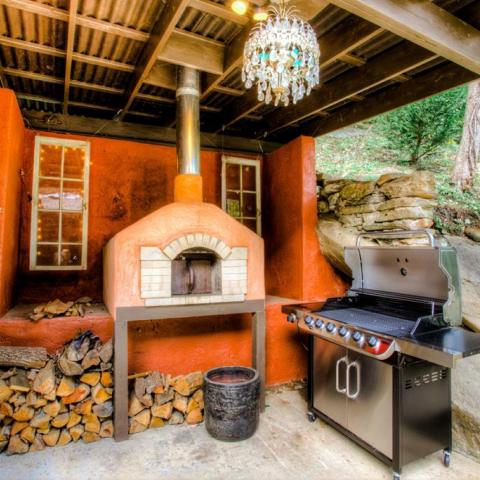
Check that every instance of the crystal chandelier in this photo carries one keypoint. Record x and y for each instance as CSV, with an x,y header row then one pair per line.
x,y
282,57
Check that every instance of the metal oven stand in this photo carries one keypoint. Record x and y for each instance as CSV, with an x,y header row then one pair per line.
x,y
123,315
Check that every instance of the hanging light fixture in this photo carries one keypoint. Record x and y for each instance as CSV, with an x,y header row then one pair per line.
x,y
260,14
281,56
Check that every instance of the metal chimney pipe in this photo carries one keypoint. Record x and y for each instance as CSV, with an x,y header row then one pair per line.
x,y
188,121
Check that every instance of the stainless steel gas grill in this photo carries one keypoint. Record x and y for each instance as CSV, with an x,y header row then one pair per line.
x,y
380,357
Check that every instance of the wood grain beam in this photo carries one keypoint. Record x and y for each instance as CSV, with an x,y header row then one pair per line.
x,y
72,13
162,75
218,10
424,23
139,132
436,81
161,33
57,52
386,66
195,51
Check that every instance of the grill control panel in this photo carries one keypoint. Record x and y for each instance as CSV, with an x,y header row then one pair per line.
x,y
369,343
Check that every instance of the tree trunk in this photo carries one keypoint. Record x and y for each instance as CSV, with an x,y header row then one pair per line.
x,y
468,153
26,357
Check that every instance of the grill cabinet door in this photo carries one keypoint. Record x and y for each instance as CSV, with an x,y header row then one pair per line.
x,y
329,385
370,401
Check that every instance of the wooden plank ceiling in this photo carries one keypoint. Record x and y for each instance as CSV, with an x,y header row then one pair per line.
x,y
107,67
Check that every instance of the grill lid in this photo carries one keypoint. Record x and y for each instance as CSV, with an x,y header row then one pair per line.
x,y
418,273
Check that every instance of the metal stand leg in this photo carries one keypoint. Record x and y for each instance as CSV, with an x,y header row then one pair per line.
x,y
121,380
258,351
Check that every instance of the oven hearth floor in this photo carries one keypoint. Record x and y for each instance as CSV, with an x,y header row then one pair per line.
x,y
286,446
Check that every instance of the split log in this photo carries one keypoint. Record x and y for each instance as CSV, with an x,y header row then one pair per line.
x,y
91,359
18,427
106,379
176,419
51,438
100,394
164,397
38,444
52,409
66,387
180,403
26,357
91,422
106,429
40,420
187,384
83,408
5,391
24,414
140,422
90,437
44,382
134,405
16,445
64,438
77,431
90,378
28,434
6,409
80,393
103,410
60,420
156,422
163,411
19,382
106,351
194,417
69,367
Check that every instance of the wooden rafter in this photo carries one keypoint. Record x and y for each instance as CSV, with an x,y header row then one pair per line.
x,y
72,13
424,23
338,42
443,78
218,10
386,66
161,32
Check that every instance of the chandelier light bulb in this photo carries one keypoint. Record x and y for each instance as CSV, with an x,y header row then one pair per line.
x,y
260,14
239,7
281,57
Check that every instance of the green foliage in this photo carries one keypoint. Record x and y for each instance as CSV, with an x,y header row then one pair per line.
x,y
418,130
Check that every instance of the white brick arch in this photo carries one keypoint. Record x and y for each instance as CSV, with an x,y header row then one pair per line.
x,y
197,240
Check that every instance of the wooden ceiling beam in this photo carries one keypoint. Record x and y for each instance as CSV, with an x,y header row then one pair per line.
x,y
347,36
139,132
72,13
161,33
443,78
57,52
218,10
162,75
424,23
384,67
354,60
195,51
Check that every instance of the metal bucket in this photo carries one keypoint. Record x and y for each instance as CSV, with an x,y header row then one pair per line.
x,y
232,402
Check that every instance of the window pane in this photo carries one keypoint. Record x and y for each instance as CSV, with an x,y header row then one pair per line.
x,y
233,204
249,205
50,160
49,194
251,224
72,227
71,255
47,255
74,162
248,178
47,230
233,176
72,196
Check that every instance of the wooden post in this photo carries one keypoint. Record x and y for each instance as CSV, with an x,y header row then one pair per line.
x,y
121,380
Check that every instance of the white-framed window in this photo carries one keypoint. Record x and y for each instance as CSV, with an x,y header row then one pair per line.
x,y
59,225
241,195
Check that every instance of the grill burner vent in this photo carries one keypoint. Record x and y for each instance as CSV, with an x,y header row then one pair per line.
x,y
426,378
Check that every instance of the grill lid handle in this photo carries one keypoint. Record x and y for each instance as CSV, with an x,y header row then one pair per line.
x,y
430,234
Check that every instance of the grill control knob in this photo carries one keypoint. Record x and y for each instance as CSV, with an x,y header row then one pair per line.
x,y
343,331
357,336
319,323
291,317
372,341
308,320
331,327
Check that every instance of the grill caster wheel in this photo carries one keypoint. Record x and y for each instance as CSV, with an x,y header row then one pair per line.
x,y
311,417
396,476
446,458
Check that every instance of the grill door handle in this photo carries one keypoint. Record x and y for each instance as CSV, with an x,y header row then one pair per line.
x,y
337,375
353,396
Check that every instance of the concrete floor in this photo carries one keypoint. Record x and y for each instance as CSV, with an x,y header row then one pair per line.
x,y
286,446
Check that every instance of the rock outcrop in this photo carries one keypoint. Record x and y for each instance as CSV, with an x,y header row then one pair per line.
x,y
393,202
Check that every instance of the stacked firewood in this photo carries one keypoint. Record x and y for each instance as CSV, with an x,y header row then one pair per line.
x,y
67,399
57,308
157,399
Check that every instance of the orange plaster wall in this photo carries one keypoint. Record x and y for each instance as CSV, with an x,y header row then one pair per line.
x,y
128,180
11,147
296,267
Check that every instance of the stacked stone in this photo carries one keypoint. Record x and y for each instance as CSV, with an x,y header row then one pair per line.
x,y
393,202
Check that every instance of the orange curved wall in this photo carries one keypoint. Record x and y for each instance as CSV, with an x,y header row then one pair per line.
x,y
11,150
